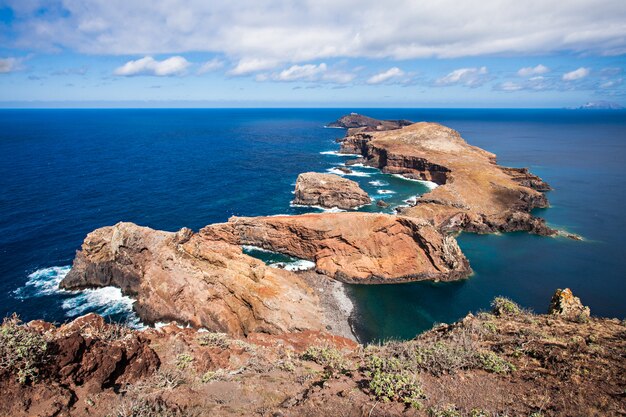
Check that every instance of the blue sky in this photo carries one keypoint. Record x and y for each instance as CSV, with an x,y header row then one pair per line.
x,y
86,53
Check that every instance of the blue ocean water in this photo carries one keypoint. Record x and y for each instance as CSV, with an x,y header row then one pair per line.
x,y
64,173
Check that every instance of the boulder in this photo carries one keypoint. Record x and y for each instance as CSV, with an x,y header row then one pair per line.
x,y
329,190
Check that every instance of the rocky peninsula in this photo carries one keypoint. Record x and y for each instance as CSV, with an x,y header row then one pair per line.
x,y
329,191
475,194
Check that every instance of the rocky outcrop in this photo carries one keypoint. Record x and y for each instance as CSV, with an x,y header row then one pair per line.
x,y
329,190
565,305
474,194
359,123
186,277
353,247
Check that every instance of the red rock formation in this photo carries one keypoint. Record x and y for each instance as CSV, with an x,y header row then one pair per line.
x,y
353,247
185,277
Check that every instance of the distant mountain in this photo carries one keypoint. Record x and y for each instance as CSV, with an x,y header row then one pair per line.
x,y
600,105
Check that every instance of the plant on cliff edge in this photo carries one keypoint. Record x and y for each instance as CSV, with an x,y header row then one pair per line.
x,y
23,351
502,306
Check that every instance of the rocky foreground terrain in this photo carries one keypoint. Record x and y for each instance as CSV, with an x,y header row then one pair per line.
x,y
506,362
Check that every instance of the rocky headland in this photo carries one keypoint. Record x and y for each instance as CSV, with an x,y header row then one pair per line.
x,y
475,194
329,191
186,277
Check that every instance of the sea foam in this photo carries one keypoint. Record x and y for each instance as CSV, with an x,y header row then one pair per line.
x,y
106,301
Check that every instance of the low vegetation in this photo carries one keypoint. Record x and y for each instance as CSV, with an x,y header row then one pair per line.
x,y
23,352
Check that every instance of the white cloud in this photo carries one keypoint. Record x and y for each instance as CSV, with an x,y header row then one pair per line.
x,y
470,77
211,65
248,66
309,73
384,76
175,65
509,86
611,83
576,74
10,64
528,71
292,31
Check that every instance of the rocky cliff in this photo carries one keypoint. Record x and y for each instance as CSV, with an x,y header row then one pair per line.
x,y
329,190
353,247
186,277
474,194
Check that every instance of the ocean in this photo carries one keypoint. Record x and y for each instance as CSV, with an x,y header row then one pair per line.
x,y
64,173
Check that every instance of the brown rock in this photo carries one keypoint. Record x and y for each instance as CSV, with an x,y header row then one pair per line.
x,y
329,190
382,203
353,247
565,305
474,194
185,277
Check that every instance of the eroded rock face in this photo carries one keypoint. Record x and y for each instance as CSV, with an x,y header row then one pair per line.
x,y
329,190
353,247
475,193
565,305
186,277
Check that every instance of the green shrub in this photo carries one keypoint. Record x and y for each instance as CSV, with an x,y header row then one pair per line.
x,y
491,362
183,361
445,356
449,410
399,386
502,306
219,340
23,351
210,376
389,380
330,358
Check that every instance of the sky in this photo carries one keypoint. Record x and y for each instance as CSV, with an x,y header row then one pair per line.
x,y
311,53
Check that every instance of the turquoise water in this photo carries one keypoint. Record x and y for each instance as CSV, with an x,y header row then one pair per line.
x,y
64,173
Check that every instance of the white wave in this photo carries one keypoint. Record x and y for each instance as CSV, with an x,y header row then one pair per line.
x,y
351,174
429,184
105,301
336,153
43,282
359,174
324,209
385,191
333,127
298,265
361,166
378,183
250,248
411,201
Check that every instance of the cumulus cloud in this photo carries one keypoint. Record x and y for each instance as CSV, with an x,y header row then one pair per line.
x,y
257,34
175,65
578,74
528,71
309,73
470,77
390,74
10,64
211,65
